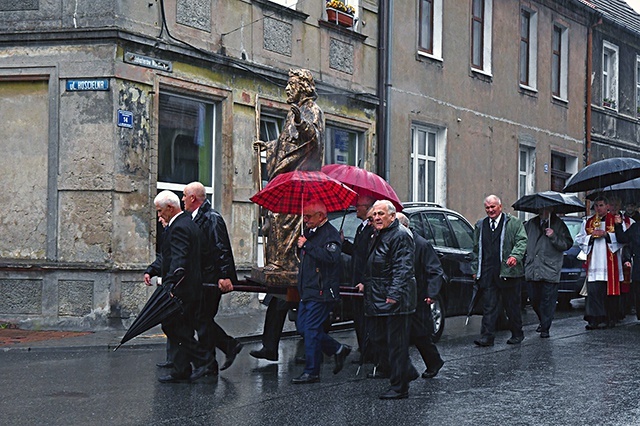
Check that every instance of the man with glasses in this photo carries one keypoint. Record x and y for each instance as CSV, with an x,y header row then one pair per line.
x,y
319,288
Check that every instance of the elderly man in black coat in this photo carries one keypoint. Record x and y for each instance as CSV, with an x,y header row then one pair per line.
x,y
180,270
429,279
218,270
390,295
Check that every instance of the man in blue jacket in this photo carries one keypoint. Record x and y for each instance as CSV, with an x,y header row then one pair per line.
x,y
319,288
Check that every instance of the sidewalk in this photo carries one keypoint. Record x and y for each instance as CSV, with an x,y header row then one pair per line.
x,y
247,327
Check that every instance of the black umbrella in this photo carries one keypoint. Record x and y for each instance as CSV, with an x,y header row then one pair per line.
x,y
603,173
561,203
625,191
160,306
475,297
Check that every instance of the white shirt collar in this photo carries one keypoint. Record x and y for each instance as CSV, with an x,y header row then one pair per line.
x,y
174,218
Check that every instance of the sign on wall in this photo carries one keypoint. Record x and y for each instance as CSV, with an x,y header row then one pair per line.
x,y
77,85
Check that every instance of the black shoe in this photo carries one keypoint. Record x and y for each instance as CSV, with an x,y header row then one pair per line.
x,y
165,364
539,329
305,378
483,342
591,326
515,340
378,375
544,334
432,372
264,354
391,394
171,378
340,357
209,367
233,352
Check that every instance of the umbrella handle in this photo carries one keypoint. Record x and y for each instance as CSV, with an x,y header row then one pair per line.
x,y
343,218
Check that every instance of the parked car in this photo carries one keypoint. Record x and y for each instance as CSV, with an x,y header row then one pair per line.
x,y
451,236
574,269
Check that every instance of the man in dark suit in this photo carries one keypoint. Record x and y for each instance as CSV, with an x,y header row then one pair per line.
x,y
218,269
319,289
358,252
181,274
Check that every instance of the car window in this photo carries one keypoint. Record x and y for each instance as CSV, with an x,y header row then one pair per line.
x,y
349,225
462,231
574,227
419,226
442,234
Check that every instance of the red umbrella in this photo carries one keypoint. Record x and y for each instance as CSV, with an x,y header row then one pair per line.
x,y
288,192
364,182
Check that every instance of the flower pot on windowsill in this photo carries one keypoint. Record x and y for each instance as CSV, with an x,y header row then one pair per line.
x,y
339,17
609,104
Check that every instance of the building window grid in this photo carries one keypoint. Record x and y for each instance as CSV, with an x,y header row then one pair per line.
x,y
556,65
610,75
638,85
525,40
525,175
423,164
477,34
426,25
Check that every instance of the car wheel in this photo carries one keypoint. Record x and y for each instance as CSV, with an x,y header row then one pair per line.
x,y
437,315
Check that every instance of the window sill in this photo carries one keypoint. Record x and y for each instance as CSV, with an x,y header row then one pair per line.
x,y
430,56
284,11
481,75
342,30
560,101
528,89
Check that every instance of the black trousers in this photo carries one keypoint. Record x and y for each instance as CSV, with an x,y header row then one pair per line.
x,y
392,332
420,336
274,319
510,295
212,334
634,296
180,330
544,296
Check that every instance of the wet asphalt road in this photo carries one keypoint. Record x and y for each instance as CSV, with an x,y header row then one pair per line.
x,y
576,377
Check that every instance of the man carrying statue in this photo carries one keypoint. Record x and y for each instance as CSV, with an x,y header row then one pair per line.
x,y
300,146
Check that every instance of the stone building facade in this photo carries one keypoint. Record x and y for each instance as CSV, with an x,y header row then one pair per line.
x,y
106,103
492,97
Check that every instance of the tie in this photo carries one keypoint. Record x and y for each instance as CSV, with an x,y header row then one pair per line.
x,y
493,224
360,228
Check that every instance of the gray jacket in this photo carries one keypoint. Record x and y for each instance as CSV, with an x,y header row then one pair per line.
x,y
545,255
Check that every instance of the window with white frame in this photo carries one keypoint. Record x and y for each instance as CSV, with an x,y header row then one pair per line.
x,y
343,146
481,29
526,176
609,75
186,134
186,148
430,28
528,48
426,182
559,61
562,167
638,85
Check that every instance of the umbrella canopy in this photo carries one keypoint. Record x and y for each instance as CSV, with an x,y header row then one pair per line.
x,y
626,191
603,173
288,192
364,182
160,306
561,203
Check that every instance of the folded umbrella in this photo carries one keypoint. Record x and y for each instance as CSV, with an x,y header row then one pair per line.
x,y
160,306
561,203
603,173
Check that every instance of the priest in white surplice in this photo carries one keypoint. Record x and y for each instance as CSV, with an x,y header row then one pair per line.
x,y
597,239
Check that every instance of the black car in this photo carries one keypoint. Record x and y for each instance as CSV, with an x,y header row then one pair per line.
x,y
451,236
573,271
